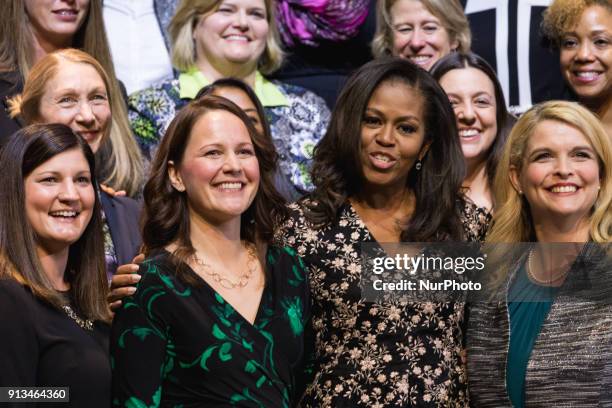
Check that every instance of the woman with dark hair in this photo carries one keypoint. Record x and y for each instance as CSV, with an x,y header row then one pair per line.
x,y
243,95
582,30
388,170
483,122
218,318
54,316
70,87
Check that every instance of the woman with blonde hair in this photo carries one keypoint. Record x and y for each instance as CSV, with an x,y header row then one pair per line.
x,y
545,334
70,87
32,29
582,30
213,39
422,31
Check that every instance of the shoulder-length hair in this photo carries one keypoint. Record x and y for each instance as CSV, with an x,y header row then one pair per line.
x,y
338,170
166,215
27,149
186,18
449,12
120,156
512,222
458,60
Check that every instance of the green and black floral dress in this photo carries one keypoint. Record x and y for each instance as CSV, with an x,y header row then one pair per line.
x,y
179,345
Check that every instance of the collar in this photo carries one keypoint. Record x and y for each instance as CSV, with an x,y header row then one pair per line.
x,y
193,80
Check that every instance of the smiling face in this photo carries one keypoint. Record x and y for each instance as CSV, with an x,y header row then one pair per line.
x,y
392,134
56,21
560,173
59,197
586,55
472,95
419,35
77,97
219,171
235,33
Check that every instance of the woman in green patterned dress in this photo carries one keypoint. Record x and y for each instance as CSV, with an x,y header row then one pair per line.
x,y
218,318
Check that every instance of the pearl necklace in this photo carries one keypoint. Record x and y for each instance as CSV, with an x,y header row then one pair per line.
x,y
223,280
532,276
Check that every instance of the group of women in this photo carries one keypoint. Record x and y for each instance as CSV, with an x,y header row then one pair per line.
x,y
245,300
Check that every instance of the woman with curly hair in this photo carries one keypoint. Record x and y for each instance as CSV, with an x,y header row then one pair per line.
x,y
388,170
582,29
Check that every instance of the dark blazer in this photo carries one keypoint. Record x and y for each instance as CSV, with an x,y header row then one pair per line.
x,y
122,216
11,84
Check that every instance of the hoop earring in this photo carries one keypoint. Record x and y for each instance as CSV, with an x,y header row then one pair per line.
x,y
418,165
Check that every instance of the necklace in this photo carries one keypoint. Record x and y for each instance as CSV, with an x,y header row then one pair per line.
x,y
532,276
223,280
84,324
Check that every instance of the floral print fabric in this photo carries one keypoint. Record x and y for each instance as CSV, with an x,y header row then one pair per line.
x,y
372,354
296,128
179,345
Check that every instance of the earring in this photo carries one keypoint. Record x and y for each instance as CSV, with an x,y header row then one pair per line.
x,y
418,165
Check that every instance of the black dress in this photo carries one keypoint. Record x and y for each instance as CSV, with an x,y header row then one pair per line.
x,y
43,347
175,344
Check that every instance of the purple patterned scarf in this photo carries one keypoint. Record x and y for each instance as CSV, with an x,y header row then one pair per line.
x,y
309,21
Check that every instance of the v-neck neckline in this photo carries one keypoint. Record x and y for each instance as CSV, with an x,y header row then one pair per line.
x,y
214,293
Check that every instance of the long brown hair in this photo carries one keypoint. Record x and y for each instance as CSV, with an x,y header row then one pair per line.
x,y
123,166
27,149
166,216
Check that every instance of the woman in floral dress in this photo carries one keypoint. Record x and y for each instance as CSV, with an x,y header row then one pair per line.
x,y
388,170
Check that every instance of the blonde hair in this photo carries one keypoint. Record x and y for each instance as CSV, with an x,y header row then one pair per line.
x,y
449,12
563,15
512,220
185,19
122,170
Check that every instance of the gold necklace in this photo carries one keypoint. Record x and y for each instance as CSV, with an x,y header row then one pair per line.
x,y
83,323
224,281
532,276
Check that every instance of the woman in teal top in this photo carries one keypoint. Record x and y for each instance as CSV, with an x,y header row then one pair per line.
x,y
219,315
545,338
213,39
528,305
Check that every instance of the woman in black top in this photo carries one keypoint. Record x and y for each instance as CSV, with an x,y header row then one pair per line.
x,y
388,170
53,312
218,318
